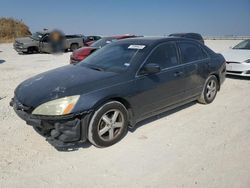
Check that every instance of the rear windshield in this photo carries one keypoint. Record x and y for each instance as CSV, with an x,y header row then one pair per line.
x,y
113,58
73,36
103,42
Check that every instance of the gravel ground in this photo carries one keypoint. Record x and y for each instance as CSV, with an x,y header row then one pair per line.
x,y
193,146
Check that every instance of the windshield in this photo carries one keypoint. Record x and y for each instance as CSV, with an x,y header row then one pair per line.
x,y
112,58
36,36
244,45
102,42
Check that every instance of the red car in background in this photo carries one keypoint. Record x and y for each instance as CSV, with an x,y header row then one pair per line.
x,y
81,53
88,40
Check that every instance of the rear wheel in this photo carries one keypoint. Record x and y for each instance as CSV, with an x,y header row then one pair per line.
x,y
108,125
210,90
73,47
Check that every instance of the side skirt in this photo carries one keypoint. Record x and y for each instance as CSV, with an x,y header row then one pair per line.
x,y
171,107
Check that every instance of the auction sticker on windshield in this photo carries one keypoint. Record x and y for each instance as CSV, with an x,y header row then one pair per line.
x,y
136,47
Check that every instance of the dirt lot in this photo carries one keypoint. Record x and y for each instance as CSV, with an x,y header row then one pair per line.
x,y
193,146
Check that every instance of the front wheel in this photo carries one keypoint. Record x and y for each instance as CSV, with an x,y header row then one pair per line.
x,y
108,125
209,91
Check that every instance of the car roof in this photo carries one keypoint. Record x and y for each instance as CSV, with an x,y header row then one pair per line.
x,y
92,36
118,36
183,34
153,40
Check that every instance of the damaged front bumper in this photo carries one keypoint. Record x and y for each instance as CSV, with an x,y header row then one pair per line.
x,y
63,132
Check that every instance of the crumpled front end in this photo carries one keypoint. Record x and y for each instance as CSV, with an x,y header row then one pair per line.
x,y
63,132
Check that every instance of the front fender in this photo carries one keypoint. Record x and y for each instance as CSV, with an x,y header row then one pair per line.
x,y
31,44
93,100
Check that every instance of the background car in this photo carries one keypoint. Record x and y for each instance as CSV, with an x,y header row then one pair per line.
x,y
88,40
238,59
82,53
195,36
41,42
116,87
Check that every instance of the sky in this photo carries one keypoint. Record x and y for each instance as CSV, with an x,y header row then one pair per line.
x,y
141,17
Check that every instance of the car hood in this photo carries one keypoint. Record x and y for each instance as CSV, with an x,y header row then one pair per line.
x,y
236,55
25,40
61,82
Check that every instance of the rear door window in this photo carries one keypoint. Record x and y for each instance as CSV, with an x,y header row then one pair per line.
x,y
191,52
165,55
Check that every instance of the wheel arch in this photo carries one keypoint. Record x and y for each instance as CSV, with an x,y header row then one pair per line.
x,y
33,47
122,100
218,78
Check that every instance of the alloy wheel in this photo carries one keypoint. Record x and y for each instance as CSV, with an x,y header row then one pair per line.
x,y
211,89
110,125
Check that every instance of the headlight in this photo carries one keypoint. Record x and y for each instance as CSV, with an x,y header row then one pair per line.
x,y
56,107
247,61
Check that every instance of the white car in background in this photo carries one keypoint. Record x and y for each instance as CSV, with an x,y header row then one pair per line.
x,y
238,59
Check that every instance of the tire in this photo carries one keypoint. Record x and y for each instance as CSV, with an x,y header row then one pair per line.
x,y
32,50
35,50
108,125
209,91
74,47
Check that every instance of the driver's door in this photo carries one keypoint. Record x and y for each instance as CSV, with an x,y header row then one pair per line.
x,y
162,89
45,45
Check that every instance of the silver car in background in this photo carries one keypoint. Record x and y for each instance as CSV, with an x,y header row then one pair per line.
x,y
238,59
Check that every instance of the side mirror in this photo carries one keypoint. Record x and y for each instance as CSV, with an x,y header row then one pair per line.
x,y
150,68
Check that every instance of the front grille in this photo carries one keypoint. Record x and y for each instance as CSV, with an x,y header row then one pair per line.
x,y
17,44
235,72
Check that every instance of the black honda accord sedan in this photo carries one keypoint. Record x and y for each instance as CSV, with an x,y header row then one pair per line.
x,y
116,87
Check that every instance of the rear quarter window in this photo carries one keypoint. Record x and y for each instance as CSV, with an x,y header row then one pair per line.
x,y
209,51
191,52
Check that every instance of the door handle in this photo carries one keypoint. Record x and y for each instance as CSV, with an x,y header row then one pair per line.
x,y
178,73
